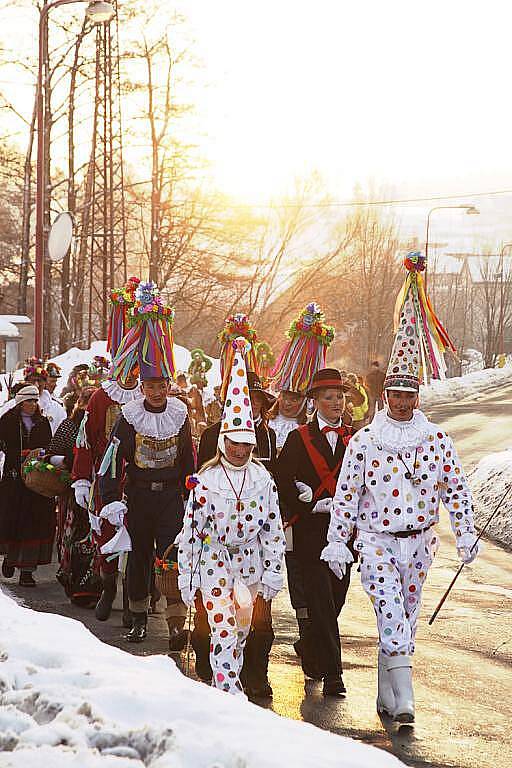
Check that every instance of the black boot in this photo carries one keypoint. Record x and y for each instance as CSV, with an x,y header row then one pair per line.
x,y
127,614
104,605
26,579
201,645
7,570
138,632
333,685
256,655
308,656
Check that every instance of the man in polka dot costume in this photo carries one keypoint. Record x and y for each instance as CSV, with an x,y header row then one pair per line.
x,y
394,475
232,544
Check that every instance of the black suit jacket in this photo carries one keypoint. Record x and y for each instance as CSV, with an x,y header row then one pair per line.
x,y
266,450
310,530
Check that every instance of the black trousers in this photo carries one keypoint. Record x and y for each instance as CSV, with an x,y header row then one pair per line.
x,y
154,520
325,597
295,581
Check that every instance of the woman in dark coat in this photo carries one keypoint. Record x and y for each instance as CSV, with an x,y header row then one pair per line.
x,y
27,520
75,550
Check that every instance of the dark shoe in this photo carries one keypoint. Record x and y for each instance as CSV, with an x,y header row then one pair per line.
x,y
263,691
138,632
26,579
333,686
177,639
7,570
104,605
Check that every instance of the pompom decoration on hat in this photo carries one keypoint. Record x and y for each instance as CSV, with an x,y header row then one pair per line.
x,y
237,421
420,338
121,299
305,352
236,326
148,346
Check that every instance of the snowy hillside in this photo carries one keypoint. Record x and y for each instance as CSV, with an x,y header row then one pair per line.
x,y
489,481
469,385
68,700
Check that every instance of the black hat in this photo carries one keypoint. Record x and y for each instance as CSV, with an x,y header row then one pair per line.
x,y
255,385
328,378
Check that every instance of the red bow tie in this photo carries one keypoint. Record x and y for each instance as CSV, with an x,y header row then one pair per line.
x,y
338,430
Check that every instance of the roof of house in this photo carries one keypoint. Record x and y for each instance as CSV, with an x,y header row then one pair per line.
x,y
7,329
16,319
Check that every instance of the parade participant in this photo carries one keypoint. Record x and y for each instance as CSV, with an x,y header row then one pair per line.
x,y
394,475
302,356
54,373
259,642
359,399
374,381
75,550
152,441
232,544
27,519
198,368
101,414
35,373
312,455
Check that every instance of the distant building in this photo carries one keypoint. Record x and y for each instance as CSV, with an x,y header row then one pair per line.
x,y
16,341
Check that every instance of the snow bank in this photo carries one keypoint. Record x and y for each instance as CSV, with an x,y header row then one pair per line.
x,y
489,481
66,699
74,356
469,385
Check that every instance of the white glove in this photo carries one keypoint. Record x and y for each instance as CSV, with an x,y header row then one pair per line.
x,y
268,593
188,595
337,556
467,555
58,461
305,492
114,513
82,490
323,506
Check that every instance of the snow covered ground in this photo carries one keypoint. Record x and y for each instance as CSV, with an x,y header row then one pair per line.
x,y
69,701
489,481
469,385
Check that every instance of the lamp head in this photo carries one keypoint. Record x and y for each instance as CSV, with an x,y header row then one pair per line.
x,y
100,12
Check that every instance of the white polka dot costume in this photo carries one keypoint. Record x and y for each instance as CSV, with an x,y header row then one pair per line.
x,y
394,475
232,539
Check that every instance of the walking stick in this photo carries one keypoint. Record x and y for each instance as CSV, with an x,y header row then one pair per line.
x,y
443,599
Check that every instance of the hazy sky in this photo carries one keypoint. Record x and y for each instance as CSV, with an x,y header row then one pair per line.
x,y
410,96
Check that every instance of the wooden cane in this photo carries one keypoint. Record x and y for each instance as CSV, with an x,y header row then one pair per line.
x,y
443,599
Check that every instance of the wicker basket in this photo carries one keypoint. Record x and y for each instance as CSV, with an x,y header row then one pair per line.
x,y
167,581
48,484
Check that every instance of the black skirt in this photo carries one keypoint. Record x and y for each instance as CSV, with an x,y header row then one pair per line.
x,y
27,525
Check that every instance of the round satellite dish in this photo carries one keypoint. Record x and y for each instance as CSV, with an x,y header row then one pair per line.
x,y
60,237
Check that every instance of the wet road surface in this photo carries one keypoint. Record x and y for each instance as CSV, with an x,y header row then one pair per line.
x,y
463,662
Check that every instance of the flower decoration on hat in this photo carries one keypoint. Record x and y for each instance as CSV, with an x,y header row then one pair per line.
x,y
35,368
305,352
236,326
148,346
53,370
121,300
420,338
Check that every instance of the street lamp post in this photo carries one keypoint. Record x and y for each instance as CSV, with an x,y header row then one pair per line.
x,y
501,320
470,210
100,13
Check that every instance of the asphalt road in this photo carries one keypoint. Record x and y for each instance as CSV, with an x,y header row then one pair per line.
x,y
463,663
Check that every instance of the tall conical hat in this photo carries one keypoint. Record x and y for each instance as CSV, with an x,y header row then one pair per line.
x,y
304,354
237,421
121,301
236,326
420,339
148,346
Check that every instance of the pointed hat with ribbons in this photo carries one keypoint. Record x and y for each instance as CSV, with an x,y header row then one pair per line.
x,y
420,338
236,326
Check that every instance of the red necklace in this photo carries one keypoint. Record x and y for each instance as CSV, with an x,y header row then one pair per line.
x,y
239,505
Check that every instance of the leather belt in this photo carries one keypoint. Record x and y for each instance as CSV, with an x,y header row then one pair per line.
x,y
157,485
407,534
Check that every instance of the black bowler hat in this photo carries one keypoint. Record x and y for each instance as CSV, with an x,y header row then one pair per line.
x,y
328,378
255,385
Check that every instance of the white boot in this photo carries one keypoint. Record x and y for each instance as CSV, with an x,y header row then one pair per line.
x,y
385,696
400,672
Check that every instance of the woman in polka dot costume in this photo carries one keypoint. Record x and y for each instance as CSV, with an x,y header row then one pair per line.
x,y
394,475
232,543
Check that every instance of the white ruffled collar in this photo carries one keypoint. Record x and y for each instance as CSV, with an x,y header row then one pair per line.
x,y
256,478
397,436
159,425
119,395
